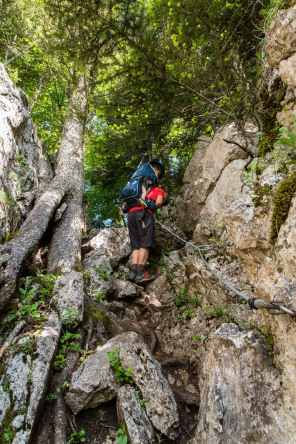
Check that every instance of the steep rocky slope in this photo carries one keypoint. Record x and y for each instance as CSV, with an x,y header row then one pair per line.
x,y
182,359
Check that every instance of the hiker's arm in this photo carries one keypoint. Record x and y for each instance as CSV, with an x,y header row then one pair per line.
x,y
159,201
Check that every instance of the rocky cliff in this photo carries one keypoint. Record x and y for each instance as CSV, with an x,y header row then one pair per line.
x,y
25,169
183,359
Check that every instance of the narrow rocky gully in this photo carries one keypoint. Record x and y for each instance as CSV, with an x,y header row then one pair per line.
x,y
88,356
150,328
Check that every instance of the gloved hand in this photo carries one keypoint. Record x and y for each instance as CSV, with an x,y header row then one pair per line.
x,y
152,207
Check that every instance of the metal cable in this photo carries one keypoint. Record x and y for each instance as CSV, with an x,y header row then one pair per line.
x,y
275,307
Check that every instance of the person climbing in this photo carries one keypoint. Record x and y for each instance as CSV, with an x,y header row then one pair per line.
x,y
141,224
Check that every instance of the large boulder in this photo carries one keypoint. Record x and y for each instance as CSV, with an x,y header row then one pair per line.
x,y
95,383
23,384
160,404
280,42
68,297
133,415
112,243
287,71
213,179
24,169
239,391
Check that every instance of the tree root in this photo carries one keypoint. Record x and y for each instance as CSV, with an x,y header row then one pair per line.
x,y
11,337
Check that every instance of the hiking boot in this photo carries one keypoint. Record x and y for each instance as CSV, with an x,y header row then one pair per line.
x,y
132,275
144,276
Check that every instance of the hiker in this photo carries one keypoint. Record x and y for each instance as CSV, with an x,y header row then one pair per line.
x,y
141,224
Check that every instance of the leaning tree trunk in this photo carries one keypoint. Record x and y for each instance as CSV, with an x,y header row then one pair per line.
x,y
68,183
65,247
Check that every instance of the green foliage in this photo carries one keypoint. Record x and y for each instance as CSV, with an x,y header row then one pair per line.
x,y
121,374
271,105
102,272
282,202
70,317
51,397
215,312
77,437
99,296
122,436
181,297
260,192
68,335
188,313
161,74
67,338
34,298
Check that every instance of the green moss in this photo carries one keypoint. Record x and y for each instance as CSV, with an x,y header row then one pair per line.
x,y
261,191
270,105
282,203
97,316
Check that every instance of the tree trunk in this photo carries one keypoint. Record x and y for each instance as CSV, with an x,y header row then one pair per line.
x,y
68,183
65,247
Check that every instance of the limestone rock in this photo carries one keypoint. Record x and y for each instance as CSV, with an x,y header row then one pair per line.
x,y
226,190
24,172
113,243
126,289
192,185
206,168
68,295
99,271
281,38
287,70
239,391
161,406
249,227
271,176
94,382
159,291
129,411
26,378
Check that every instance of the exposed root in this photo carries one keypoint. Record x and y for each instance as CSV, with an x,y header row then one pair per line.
x,y
11,337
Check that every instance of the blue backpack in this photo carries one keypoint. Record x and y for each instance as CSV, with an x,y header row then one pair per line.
x,y
133,189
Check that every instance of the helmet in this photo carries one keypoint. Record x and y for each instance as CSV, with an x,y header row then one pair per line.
x,y
160,165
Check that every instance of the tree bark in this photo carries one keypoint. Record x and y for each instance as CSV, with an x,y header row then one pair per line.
x,y
68,183
65,247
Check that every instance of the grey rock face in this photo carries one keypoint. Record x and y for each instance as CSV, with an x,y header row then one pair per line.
x,y
281,38
68,294
239,388
126,289
161,406
26,377
112,243
24,171
95,383
130,412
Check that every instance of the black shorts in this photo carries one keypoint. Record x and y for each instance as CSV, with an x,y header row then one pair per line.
x,y
141,238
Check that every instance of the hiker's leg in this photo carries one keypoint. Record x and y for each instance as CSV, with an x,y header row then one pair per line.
x,y
135,257
143,256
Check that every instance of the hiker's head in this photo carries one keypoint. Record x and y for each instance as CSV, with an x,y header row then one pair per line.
x,y
158,167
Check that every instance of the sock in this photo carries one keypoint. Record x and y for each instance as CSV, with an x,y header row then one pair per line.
x,y
141,267
134,267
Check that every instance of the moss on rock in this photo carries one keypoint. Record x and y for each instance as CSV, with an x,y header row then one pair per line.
x,y
270,105
261,191
282,202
